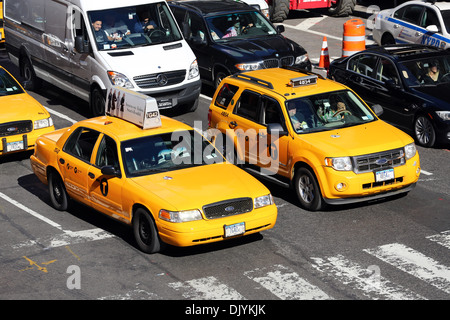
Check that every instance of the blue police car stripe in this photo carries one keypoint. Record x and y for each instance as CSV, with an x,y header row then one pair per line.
x,y
416,28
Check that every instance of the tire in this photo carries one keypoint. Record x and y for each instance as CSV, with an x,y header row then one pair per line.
x,y
145,232
280,10
424,132
218,77
97,103
342,8
31,82
308,191
57,191
192,106
386,39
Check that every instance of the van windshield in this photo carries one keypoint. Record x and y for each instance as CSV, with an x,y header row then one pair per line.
x,y
133,26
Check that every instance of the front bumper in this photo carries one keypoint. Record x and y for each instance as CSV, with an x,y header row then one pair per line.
x,y
23,142
212,230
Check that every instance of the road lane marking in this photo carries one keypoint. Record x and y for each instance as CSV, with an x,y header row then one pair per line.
x,y
368,280
208,288
414,263
61,115
286,284
443,238
426,173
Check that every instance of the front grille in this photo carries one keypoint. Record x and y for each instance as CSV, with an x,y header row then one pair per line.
x,y
382,183
16,127
276,63
379,161
156,80
228,208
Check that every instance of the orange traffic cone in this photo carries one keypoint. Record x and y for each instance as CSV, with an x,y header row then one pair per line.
x,y
324,62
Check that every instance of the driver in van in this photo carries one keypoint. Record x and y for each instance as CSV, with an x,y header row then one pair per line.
x,y
115,28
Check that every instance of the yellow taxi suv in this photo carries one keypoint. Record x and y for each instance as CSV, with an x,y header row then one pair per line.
x,y
311,134
22,118
166,181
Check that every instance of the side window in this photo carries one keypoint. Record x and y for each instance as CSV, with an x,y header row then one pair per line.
x,y
387,71
81,143
225,95
248,105
271,112
366,65
412,14
78,25
197,27
107,153
430,18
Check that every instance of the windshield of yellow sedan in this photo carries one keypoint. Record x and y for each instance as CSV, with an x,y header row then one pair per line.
x,y
327,111
8,86
167,152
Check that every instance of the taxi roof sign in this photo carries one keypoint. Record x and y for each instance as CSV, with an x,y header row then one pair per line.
x,y
132,106
303,81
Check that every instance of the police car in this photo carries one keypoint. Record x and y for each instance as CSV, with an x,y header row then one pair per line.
x,y
315,135
422,22
153,173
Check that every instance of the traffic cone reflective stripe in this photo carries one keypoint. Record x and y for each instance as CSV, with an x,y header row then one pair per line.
x,y
324,61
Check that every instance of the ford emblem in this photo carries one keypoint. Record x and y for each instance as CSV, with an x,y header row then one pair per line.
x,y
381,161
229,208
12,129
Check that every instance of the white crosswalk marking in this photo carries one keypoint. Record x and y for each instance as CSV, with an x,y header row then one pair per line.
x,y
368,280
443,238
286,284
414,263
208,288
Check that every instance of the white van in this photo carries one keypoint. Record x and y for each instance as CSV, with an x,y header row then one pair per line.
x,y
139,46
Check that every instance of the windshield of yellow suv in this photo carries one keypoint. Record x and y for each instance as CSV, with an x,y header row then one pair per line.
x,y
133,26
239,25
167,152
325,111
8,86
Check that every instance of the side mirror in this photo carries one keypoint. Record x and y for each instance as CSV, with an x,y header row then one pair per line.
x,y
432,28
110,171
81,46
276,128
391,84
377,109
280,28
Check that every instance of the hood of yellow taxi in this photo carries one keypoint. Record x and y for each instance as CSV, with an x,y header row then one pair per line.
x,y
194,187
366,138
20,106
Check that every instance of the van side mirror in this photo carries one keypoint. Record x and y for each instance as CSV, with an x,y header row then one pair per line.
x,y
81,46
276,128
377,109
280,28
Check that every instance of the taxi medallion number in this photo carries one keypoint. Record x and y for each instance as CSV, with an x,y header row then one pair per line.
x,y
234,229
14,146
384,175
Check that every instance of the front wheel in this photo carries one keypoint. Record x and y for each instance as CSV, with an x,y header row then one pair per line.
x,y
145,232
341,8
57,191
97,102
424,131
308,190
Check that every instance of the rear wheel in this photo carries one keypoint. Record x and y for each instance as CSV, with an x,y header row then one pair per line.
x,y
341,8
145,232
279,10
32,82
57,191
308,190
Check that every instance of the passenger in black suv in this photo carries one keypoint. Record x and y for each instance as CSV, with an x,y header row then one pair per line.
x,y
229,36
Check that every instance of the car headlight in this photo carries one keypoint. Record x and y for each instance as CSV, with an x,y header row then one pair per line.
x,y
119,79
180,216
249,66
263,201
43,123
444,115
340,163
410,150
301,59
193,70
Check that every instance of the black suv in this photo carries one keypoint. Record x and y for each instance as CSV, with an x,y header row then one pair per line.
x,y
229,36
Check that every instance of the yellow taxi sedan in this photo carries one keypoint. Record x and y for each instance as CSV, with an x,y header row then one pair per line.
x,y
22,118
167,182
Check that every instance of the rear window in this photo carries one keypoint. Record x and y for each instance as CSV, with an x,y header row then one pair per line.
x,y
225,95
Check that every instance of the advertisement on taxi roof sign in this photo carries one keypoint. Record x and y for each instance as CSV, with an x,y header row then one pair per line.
x,y
132,106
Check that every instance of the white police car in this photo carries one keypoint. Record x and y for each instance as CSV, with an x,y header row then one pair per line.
x,y
423,22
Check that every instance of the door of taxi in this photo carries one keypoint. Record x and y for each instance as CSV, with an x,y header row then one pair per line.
x,y
74,162
105,190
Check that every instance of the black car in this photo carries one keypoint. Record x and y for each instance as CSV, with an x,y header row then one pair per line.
x,y
229,37
411,82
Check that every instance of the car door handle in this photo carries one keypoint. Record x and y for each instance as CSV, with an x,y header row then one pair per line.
x,y
232,124
62,161
91,175
418,34
396,26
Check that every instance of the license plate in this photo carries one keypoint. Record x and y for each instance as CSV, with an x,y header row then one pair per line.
x,y
384,175
234,229
165,103
14,146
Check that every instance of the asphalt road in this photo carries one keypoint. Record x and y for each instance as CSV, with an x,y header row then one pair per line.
x,y
396,248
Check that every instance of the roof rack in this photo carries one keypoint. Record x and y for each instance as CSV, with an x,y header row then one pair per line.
x,y
253,80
